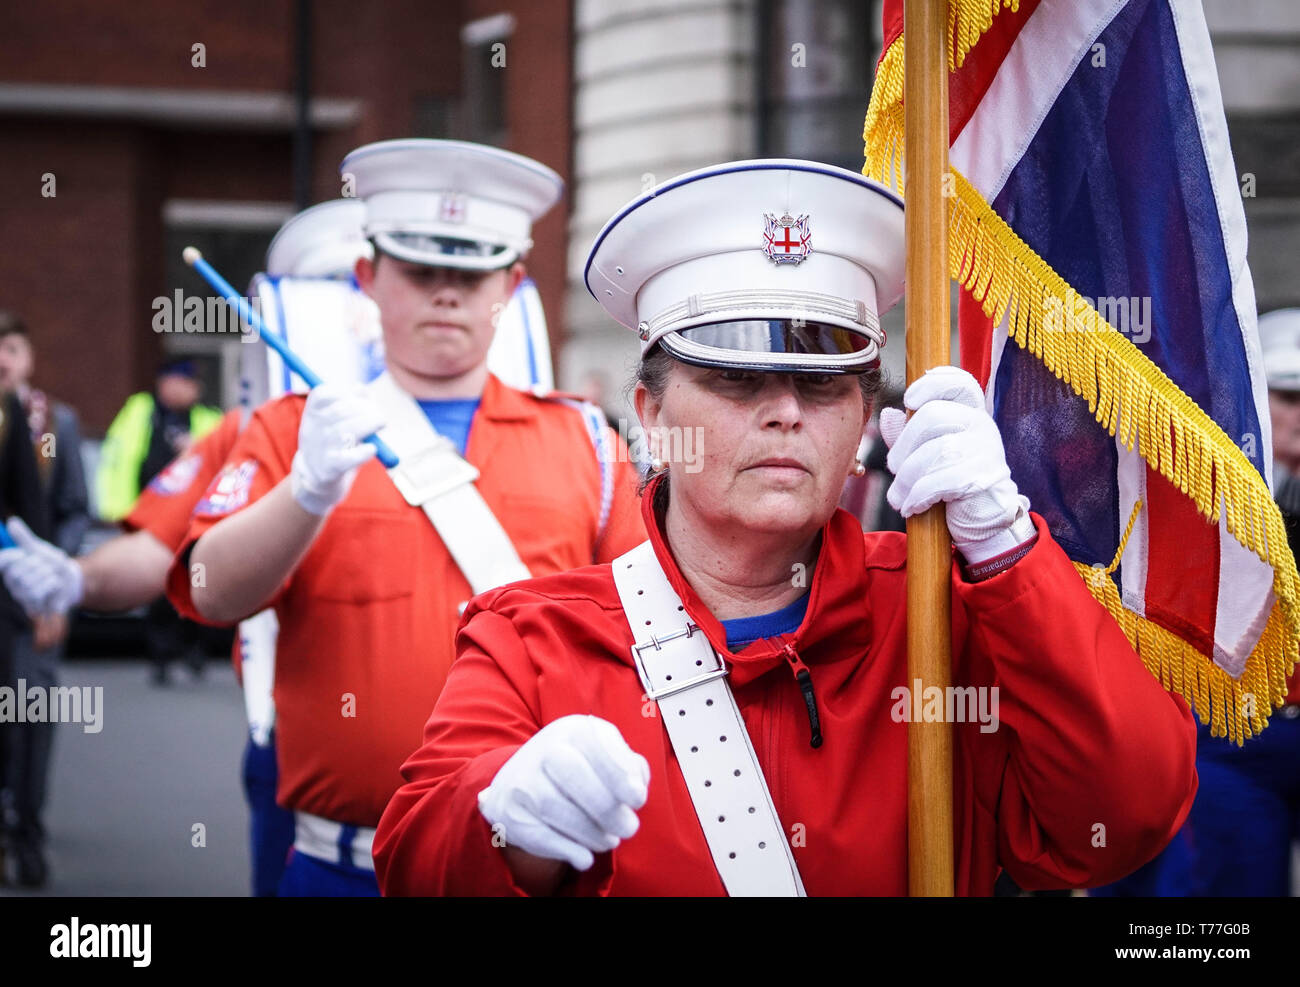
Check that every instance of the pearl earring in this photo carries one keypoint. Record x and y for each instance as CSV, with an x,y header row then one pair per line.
x,y
859,469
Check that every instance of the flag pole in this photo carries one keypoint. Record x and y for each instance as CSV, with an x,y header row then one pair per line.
x,y
929,551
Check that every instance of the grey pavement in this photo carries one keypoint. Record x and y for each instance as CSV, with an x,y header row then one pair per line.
x,y
123,803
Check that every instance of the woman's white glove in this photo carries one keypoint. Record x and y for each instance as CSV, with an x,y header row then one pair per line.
x,y
337,417
570,792
41,577
950,450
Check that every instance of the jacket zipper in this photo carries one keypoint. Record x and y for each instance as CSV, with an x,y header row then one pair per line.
x,y
803,677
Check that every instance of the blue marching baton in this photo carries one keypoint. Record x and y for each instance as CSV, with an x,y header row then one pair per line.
x,y
233,298
6,540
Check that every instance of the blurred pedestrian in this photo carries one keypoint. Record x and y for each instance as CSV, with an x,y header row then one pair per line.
x,y
55,435
152,429
20,495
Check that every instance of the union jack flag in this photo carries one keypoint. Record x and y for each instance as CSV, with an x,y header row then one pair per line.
x,y
1098,229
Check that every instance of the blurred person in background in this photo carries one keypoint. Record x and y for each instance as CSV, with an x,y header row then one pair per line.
x,y
1238,838
152,429
863,495
55,434
20,497
1247,814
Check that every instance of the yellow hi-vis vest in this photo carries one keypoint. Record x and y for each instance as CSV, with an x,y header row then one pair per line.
x,y
117,483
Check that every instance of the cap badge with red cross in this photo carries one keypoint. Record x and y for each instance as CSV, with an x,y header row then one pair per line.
x,y
786,240
452,208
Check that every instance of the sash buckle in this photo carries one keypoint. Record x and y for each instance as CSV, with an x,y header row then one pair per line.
x,y
717,672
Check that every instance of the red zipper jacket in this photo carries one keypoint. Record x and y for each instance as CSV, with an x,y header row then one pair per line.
x,y
1088,775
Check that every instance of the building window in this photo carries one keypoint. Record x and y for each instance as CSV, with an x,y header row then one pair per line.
x,y
484,60
233,237
817,63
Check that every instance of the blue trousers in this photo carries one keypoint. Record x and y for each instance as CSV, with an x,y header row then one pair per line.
x,y
1237,840
308,877
270,827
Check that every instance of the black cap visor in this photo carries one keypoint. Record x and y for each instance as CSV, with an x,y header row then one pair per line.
x,y
774,345
435,251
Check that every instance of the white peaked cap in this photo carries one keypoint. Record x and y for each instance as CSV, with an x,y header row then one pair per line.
x,y
1279,336
772,264
451,203
321,242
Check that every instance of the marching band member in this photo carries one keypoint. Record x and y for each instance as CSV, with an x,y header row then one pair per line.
x,y
318,245
368,573
129,570
723,709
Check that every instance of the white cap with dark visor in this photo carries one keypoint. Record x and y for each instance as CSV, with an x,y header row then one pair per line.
x,y
450,203
776,265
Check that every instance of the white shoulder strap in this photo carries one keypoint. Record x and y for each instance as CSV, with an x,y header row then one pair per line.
x,y
431,475
598,432
682,673
257,637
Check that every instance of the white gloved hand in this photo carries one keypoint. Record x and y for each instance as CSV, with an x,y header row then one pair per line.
x,y
950,450
570,792
42,577
337,417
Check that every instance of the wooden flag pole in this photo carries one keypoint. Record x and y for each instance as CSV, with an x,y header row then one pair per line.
x,y
929,550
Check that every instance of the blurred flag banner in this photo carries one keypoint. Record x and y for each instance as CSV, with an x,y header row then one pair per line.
x,y
1097,229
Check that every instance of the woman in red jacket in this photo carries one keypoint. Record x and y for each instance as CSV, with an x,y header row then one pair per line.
x,y
724,709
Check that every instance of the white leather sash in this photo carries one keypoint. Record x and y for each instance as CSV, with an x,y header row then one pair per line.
x,y
682,673
431,475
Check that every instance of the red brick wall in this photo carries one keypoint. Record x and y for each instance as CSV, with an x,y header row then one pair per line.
x,y
147,43
83,267
71,263
540,124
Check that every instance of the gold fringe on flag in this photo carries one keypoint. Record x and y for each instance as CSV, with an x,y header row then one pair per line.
x,y
883,128
967,22
1235,708
1133,398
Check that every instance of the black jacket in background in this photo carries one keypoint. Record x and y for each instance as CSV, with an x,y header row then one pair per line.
x,y
20,493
